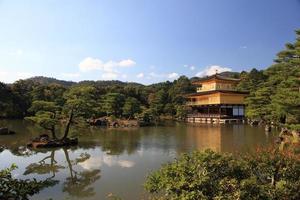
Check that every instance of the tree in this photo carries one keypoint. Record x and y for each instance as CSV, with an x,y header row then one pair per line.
x,y
258,105
112,104
22,96
169,109
210,175
6,103
158,102
79,102
252,80
18,189
179,88
46,114
132,106
275,93
181,112
52,92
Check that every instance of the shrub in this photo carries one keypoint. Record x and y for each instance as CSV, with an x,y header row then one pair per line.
x,y
17,189
208,175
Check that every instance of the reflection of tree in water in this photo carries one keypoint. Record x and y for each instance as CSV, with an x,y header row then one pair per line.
x,y
116,142
77,183
44,168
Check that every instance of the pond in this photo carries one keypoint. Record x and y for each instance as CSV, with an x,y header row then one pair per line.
x,y
117,161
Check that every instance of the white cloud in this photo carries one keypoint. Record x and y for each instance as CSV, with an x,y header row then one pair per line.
x,y
140,75
90,64
126,63
10,76
210,70
108,160
192,68
92,163
24,75
172,75
163,76
109,69
126,163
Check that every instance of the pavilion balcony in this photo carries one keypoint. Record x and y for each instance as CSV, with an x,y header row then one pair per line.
x,y
200,115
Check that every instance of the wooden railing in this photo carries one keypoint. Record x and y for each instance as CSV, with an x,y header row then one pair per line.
x,y
196,103
207,115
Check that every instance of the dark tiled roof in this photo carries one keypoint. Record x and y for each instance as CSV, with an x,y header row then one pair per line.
x,y
217,76
216,91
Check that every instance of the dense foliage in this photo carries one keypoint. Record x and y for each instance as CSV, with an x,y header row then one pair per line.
x,y
209,175
38,98
18,189
275,92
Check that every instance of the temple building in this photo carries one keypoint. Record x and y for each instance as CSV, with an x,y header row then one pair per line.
x,y
216,100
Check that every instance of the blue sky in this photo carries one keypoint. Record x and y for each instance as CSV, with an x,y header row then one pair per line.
x,y
144,41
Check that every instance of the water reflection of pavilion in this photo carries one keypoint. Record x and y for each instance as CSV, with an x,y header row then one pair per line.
x,y
220,138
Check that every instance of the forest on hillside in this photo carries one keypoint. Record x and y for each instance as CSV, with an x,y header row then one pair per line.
x,y
274,94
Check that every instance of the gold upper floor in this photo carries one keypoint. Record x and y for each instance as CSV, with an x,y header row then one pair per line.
x,y
216,82
216,89
217,97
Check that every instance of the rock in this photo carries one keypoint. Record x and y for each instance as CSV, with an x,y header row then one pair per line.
x,y
267,128
2,148
114,124
6,131
279,140
254,122
98,122
44,141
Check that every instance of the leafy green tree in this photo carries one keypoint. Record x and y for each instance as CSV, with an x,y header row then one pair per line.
x,y
22,96
131,107
258,106
52,92
158,102
46,114
6,103
252,80
169,109
79,103
275,94
112,104
181,112
18,189
179,88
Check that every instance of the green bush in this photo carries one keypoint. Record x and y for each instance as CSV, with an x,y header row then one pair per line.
x,y
208,175
17,189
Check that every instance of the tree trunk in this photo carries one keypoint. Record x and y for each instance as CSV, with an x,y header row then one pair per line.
x,y
53,133
68,125
69,163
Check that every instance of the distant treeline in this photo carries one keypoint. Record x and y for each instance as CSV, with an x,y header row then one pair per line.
x,y
110,98
274,94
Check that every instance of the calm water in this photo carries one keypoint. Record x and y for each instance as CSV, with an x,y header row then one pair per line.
x,y
117,161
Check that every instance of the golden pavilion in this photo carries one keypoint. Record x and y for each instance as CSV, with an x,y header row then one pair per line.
x,y
216,100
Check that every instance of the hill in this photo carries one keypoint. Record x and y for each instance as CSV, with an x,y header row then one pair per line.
x,y
46,81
